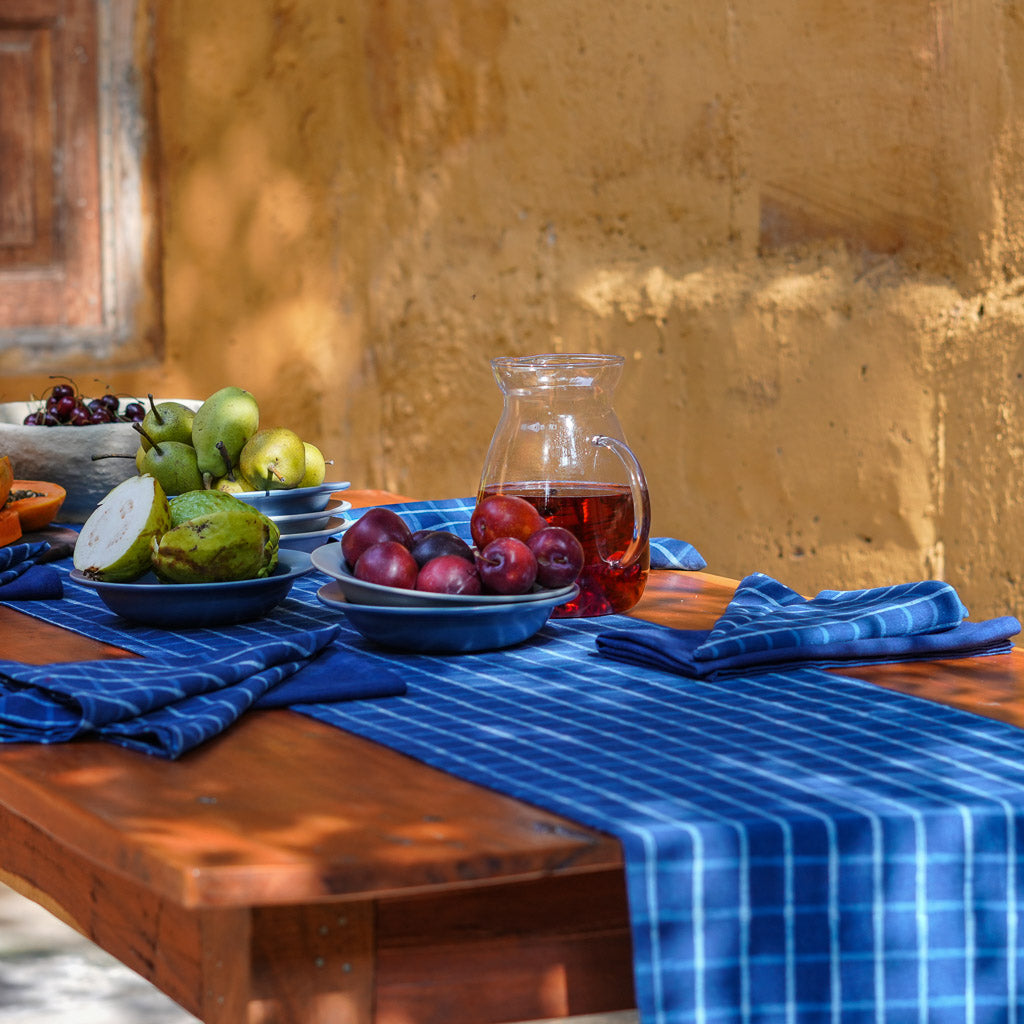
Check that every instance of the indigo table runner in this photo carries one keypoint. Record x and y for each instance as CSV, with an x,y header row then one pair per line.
x,y
799,846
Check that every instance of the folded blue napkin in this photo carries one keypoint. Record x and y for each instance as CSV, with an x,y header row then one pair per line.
x,y
768,626
23,577
167,706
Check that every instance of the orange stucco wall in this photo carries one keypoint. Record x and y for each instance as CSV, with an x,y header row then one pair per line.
x,y
800,222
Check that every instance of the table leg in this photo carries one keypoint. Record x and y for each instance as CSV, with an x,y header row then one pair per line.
x,y
313,964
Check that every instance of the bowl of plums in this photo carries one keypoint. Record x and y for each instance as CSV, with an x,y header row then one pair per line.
x,y
85,443
435,591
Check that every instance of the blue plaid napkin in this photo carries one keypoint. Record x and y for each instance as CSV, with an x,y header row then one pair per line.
x,y
768,626
22,578
169,705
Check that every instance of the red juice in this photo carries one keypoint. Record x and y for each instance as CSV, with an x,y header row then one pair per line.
x,y
601,517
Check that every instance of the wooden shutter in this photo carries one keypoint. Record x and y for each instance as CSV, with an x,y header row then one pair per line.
x,y
50,227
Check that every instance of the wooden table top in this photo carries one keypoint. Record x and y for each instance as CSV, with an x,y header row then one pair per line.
x,y
284,809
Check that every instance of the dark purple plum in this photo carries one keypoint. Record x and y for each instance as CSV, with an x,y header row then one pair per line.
x,y
428,544
507,566
376,525
449,574
559,556
387,563
504,515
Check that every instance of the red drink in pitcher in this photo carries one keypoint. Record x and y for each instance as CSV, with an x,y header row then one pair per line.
x,y
601,517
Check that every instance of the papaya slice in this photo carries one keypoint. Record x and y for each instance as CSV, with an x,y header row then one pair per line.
x,y
6,478
35,502
10,527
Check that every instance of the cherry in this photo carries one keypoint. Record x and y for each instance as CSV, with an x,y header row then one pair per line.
x,y
62,407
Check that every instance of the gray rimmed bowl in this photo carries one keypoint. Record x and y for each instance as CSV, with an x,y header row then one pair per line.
x,y
330,560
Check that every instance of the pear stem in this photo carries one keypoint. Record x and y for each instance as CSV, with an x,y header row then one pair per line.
x,y
112,455
156,412
229,471
155,445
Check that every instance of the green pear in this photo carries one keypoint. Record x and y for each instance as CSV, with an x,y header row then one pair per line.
x,y
172,463
167,421
229,416
274,459
115,541
232,485
232,482
316,466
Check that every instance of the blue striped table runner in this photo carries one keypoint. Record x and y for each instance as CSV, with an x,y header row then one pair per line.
x,y
799,846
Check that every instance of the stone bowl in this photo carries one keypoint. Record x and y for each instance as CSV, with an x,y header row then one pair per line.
x,y
64,455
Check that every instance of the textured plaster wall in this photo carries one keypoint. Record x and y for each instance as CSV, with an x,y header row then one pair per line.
x,y
800,222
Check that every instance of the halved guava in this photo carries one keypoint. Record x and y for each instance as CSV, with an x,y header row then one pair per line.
x,y
116,540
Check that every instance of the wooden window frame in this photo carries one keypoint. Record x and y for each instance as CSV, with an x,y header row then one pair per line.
x,y
102,279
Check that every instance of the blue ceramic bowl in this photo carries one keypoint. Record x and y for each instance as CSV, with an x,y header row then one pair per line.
x,y
293,501
180,605
305,522
448,629
313,539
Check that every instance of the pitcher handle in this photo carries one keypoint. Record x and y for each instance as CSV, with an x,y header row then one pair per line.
x,y
641,497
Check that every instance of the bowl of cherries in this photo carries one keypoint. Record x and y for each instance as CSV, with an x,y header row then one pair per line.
x,y
438,592
55,437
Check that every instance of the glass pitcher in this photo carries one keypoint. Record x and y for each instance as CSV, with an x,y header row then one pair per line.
x,y
559,445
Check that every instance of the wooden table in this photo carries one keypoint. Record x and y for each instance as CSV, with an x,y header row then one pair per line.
x,y
290,872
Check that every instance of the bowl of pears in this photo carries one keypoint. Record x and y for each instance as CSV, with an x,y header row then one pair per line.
x,y
220,444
